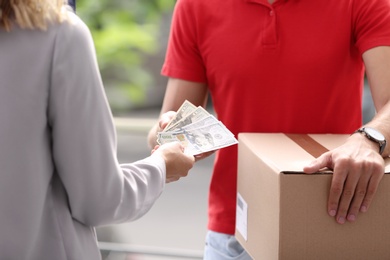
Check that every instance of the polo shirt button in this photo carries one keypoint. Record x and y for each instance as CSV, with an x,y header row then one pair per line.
x,y
271,13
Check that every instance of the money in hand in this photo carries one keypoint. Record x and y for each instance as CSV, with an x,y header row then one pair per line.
x,y
197,129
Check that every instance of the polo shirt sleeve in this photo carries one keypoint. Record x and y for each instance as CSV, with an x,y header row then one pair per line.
x,y
183,59
371,19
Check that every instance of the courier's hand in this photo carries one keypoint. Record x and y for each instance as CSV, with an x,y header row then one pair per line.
x,y
177,162
165,119
158,127
357,171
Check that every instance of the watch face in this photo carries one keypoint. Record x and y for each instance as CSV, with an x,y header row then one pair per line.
x,y
374,134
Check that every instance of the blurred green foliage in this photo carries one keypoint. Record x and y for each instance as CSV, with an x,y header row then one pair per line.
x,y
125,33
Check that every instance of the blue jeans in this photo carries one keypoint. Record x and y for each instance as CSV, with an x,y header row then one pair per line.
x,y
221,246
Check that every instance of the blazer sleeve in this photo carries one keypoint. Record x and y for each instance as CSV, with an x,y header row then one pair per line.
x,y
100,190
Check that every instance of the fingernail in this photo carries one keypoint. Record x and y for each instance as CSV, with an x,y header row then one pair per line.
x,y
341,220
351,217
332,213
363,209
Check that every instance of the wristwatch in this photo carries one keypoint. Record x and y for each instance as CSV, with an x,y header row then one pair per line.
x,y
375,136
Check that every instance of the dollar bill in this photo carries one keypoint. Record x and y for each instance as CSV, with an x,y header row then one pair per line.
x,y
208,120
185,109
197,114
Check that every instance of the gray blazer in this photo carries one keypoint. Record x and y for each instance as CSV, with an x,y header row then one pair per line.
x,y
59,174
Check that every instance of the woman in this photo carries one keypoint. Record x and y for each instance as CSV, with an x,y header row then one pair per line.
x,y
59,173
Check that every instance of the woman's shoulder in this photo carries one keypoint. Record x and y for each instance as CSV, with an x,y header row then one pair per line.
x,y
72,25
72,33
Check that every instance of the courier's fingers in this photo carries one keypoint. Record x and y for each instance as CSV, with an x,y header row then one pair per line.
x,y
165,119
325,160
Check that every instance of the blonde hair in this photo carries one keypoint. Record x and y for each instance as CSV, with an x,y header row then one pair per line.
x,y
31,14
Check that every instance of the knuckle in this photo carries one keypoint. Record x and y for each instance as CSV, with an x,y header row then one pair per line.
x,y
378,169
370,192
336,189
344,161
360,192
361,165
348,193
366,202
333,205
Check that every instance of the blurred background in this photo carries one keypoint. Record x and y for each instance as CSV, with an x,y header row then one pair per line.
x,y
130,38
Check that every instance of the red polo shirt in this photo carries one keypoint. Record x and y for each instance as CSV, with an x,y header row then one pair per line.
x,y
294,67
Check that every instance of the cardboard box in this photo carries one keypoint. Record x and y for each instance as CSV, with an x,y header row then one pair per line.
x,y
282,212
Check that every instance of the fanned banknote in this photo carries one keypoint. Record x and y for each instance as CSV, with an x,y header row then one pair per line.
x,y
185,109
198,130
193,116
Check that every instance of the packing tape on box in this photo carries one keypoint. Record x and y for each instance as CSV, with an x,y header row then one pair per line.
x,y
308,144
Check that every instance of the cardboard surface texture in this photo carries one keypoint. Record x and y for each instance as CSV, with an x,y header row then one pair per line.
x,y
282,212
